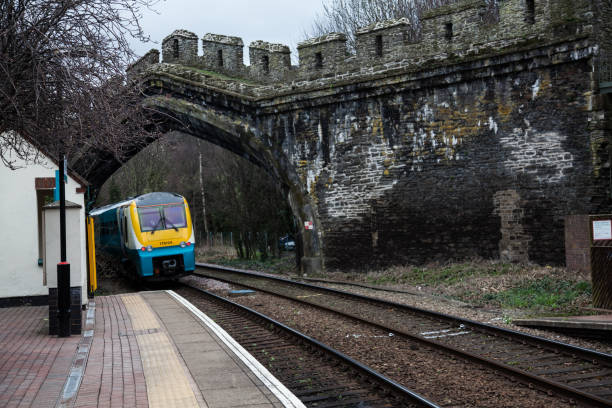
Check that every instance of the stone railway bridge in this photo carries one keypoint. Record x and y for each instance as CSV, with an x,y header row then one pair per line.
x,y
475,140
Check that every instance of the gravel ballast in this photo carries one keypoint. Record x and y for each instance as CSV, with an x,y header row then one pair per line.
x,y
446,379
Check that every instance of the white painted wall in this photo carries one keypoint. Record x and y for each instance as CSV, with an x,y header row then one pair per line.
x,y
20,274
75,247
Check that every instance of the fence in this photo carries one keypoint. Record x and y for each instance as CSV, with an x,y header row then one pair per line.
x,y
217,238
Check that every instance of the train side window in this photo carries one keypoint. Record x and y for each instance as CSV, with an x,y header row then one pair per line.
x,y
125,235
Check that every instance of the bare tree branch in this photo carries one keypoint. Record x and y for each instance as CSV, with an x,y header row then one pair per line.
x,y
62,77
346,16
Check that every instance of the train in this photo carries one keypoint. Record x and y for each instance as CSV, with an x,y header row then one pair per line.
x,y
151,234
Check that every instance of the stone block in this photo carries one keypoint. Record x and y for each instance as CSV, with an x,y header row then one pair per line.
x,y
322,55
269,62
180,47
222,53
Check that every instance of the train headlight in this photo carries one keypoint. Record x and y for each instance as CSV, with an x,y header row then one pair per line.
x,y
143,249
183,245
149,248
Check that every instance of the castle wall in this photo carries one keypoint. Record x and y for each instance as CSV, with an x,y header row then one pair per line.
x,y
479,168
142,63
180,47
222,53
269,62
475,140
384,41
322,56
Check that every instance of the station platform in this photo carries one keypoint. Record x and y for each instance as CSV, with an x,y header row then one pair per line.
x,y
147,349
599,326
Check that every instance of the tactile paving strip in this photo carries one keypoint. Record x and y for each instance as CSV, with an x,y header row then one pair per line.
x,y
167,381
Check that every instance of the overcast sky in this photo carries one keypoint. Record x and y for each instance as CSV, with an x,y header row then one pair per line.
x,y
277,21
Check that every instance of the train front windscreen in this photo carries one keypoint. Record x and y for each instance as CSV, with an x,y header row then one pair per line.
x,y
162,217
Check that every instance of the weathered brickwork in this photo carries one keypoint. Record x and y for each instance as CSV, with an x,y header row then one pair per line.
x,y
322,56
381,42
180,47
144,62
269,62
476,140
222,53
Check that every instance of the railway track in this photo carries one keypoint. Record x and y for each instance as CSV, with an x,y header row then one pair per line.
x,y
584,376
318,375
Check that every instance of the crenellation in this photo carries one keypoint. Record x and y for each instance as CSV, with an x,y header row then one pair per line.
x,y
451,28
269,61
222,53
322,56
476,140
462,30
180,47
142,63
382,41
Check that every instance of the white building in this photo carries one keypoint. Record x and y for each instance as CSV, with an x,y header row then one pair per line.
x,y
24,191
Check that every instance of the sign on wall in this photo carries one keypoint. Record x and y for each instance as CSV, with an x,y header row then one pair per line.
x,y
602,229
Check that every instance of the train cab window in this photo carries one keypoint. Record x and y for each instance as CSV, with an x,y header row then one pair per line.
x,y
162,217
150,218
175,216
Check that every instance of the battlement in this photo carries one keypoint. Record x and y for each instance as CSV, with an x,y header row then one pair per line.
x,y
382,41
142,63
222,53
180,47
451,32
322,55
269,61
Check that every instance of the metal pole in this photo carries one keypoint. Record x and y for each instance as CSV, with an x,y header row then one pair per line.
x,y
62,191
63,268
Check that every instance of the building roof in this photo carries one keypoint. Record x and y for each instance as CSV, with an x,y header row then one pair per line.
x,y
74,175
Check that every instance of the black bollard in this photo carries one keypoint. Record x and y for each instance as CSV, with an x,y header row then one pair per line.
x,y
63,299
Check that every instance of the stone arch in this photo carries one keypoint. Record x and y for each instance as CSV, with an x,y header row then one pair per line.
x,y
246,140
242,138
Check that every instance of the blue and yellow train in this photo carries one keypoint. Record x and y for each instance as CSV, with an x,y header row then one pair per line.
x,y
152,232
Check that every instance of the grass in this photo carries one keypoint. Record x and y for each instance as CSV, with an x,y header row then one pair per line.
x,y
516,289
439,275
528,290
271,265
218,75
226,255
545,293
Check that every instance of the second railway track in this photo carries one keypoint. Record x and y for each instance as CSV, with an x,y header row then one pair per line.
x,y
582,375
319,376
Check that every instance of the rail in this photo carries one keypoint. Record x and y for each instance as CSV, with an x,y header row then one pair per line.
x,y
596,358
380,380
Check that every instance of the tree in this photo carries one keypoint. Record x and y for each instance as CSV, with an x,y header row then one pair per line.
x,y
346,16
62,77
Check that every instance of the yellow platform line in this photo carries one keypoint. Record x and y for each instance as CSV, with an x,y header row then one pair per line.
x,y
165,376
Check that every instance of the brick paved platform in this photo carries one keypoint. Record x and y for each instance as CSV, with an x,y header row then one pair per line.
x,y
137,350
33,365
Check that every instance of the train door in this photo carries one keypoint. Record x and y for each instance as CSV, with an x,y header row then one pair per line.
x,y
125,228
121,221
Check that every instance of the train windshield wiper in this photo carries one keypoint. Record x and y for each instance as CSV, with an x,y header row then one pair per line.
x,y
161,219
171,224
